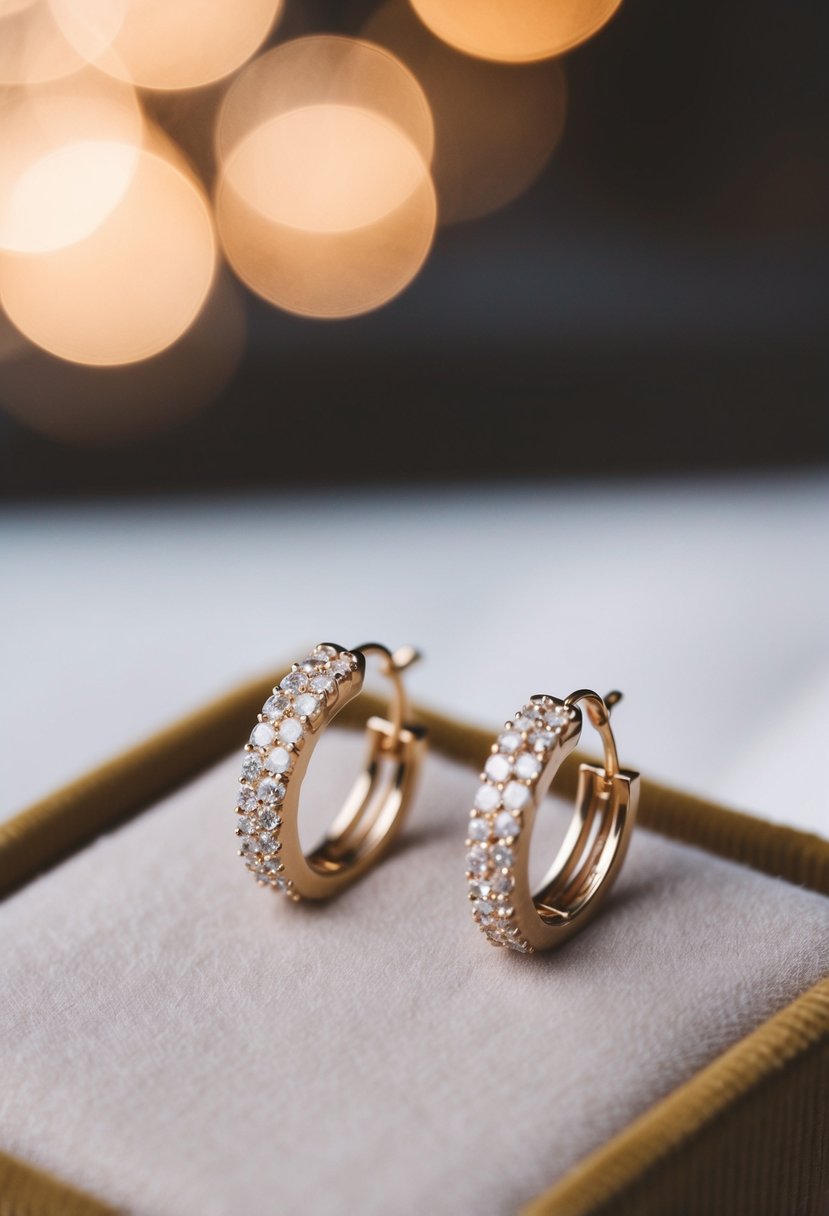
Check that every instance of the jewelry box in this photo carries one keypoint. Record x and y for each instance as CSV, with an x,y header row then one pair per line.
x,y
177,1040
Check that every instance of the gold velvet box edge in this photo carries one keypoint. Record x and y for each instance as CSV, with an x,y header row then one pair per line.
x,y
763,1100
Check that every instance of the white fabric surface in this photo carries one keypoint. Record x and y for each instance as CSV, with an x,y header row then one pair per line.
x,y
705,601
179,1041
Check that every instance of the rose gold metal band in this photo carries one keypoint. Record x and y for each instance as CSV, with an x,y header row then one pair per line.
x,y
524,760
280,750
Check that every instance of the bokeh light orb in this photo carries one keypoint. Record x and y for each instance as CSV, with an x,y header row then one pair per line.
x,y
515,31
166,44
129,289
496,124
325,203
328,270
12,341
33,47
86,406
68,150
325,70
334,168
10,8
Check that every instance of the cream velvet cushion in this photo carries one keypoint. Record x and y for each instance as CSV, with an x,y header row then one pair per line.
x,y
176,1040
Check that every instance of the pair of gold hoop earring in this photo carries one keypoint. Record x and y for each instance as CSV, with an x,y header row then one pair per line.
x,y
521,766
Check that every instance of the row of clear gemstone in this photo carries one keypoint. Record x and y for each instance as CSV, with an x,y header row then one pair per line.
x,y
517,759
291,712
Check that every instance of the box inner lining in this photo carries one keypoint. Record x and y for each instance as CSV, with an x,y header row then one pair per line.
x,y
177,1040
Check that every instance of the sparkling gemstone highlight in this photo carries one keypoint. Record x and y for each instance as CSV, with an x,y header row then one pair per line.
x,y
307,705
270,792
262,735
296,682
542,740
279,760
251,767
477,859
502,856
510,741
480,888
276,706
269,819
323,684
312,663
507,825
527,767
290,730
498,768
478,829
487,799
516,796
246,798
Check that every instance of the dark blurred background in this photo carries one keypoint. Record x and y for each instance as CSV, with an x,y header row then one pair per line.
x,y
654,303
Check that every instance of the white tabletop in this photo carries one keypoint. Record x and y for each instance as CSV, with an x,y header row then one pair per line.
x,y
706,602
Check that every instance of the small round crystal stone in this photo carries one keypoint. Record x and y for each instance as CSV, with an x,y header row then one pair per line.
x,y
269,819
559,716
542,740
295,682
245,824
275,706
261,735
523,723
271,792
483,906
477,859
324,652
506,825
323,684
478,829
510,741
341,667
290,730
251,768
527,767
246,798
480,888
279,760
502,856
307,706
501,884
312,663
487,798
265,843
516,796
498,768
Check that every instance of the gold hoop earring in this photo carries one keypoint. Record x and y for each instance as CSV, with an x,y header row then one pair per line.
x,y
523,762
277,758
